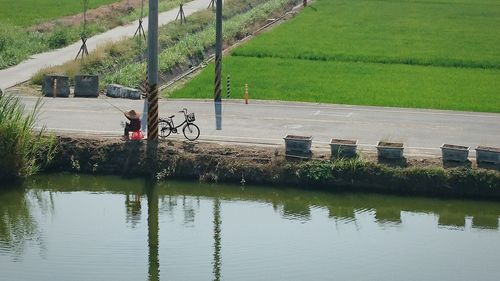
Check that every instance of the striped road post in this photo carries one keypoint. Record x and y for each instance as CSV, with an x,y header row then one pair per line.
x,y
228,87
218,65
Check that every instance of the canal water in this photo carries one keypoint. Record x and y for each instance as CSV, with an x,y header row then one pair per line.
x,y
67,227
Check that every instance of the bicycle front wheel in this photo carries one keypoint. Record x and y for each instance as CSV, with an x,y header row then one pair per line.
x,y
191,131
165,129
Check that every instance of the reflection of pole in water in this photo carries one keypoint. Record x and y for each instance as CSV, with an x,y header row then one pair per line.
x,y
217,240
154,262
133,209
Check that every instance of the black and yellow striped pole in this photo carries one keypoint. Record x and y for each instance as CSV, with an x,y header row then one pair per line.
x,y
153,71
228,87
218,65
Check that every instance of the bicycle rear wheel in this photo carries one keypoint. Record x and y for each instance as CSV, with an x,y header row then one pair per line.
x,y
191,131
165,129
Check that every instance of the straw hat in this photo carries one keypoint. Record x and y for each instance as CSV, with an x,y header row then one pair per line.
x,y
132,114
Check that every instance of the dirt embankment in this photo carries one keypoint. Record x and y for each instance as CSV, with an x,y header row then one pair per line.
x,y
266,165
111,11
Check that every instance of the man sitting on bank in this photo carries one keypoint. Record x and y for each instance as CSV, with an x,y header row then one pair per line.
x,y
134,125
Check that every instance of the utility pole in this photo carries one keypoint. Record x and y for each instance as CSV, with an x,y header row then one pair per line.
x,y
153,71
218,65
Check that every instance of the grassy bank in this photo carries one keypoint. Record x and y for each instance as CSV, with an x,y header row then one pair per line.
x,y
22,150
418,54
180,45
257,165
18,43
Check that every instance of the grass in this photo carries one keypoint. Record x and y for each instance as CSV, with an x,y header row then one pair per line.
x,y
22,150
37,11
447,33
353,83
17,43
123,62
418,54
194,44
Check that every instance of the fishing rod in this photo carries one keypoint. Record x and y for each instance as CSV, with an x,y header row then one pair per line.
x,y
114,106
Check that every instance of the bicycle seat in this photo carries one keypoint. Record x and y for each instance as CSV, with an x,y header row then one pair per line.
x,y
171,116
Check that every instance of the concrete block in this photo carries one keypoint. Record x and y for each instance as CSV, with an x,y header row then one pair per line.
x,y
119,91
62,85
343,148
87,86
390,150
456,153
486,154
298,145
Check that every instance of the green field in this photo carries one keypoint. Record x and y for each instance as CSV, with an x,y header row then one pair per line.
x,y
423,54
29,12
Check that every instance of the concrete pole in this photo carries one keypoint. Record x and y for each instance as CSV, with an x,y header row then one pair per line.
x,y
153,71
218,65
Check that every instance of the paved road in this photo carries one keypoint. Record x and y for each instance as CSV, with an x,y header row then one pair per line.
x,y
22,72
422,131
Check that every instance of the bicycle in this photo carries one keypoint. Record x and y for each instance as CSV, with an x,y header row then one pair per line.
x,y
190,130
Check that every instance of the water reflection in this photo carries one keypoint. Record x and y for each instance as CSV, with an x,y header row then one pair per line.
x,y
133,208
189,212
296,210
153,230
292,204
180,202
18,227
217,263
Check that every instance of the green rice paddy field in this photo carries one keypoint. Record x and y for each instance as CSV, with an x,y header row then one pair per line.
x,y
28,12
426,54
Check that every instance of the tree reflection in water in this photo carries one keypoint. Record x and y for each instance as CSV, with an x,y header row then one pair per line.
x,y
17,225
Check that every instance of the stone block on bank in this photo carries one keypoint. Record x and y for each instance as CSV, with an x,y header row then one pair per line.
x,y
390,150
119,91
456,153
87,86
299,146
486,154
60,82
343,148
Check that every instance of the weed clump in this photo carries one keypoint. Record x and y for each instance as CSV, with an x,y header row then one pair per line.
x,y
22,150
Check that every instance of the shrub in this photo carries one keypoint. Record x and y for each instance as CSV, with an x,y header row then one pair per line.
x,y
59,37
22,150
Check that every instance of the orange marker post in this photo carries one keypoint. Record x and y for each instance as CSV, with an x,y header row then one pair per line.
x,y
246,94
